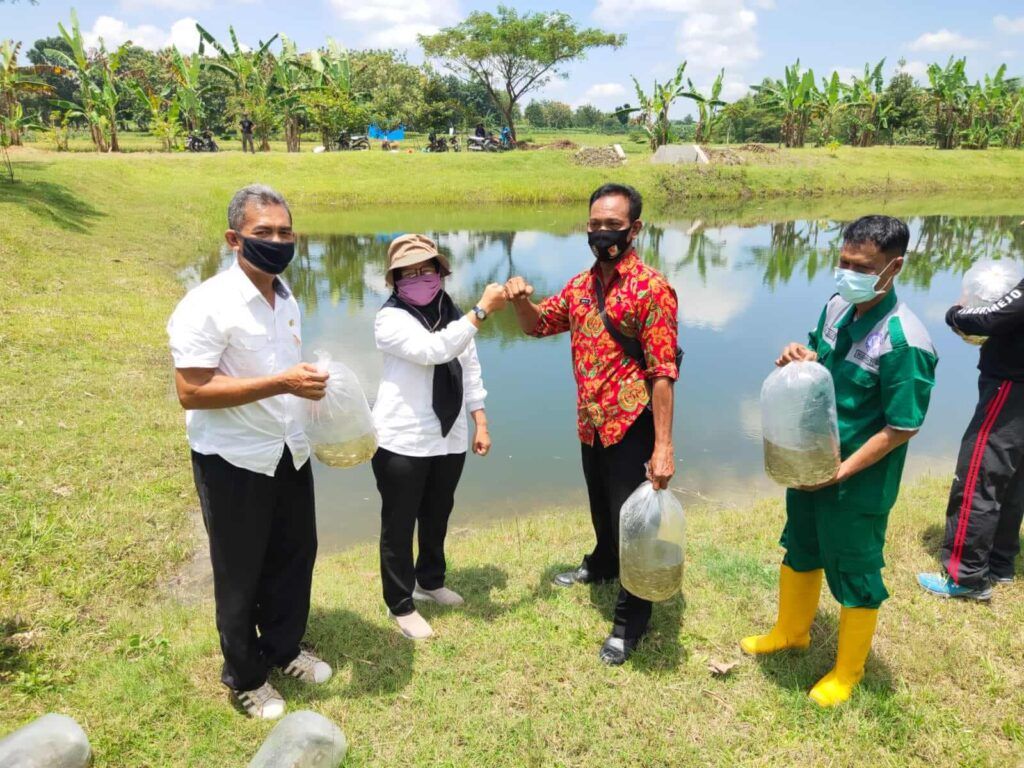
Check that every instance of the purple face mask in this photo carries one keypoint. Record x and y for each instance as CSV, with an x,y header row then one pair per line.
x,y
419,290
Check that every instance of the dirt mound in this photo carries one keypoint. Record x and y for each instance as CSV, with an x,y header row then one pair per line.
x,y
597,157
758,149
722,156
563,144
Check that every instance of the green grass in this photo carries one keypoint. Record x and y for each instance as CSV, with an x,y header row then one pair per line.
x,y
97,507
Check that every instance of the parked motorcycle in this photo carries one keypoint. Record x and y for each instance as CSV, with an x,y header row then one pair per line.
x,y
483,144
347,142
201,142
436,143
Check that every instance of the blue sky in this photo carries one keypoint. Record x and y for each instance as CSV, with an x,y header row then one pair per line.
x,y
750,38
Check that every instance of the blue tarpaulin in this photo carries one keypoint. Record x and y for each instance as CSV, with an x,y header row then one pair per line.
x,y
375,132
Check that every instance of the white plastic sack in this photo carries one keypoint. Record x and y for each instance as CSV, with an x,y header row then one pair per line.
x,y
799,425
988,281
339,426
652,543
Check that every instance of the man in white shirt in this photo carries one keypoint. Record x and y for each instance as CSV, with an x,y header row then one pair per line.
x,y
236,340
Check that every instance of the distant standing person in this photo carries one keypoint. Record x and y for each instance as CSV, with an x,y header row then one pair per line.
x,y
986,501
621,316
236,340
247,126
431,380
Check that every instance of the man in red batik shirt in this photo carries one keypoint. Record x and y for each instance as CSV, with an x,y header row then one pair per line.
x,y
624,370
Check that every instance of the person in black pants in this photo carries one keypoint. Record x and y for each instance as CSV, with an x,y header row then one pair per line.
x,y
247,126
986,501
430,379
621,317
237,347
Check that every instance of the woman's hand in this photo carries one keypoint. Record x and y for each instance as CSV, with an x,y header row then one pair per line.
x,y
481,441
493,299
796,352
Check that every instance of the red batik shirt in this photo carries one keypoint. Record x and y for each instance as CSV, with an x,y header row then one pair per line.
x,y
611,386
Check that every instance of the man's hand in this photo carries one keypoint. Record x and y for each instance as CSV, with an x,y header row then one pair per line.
x,y
842,474
304,380
794,353
661,467
482,441
517,289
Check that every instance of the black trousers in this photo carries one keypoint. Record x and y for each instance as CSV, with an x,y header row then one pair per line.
x,y
612,474
247,143
986,502
414,489
262,544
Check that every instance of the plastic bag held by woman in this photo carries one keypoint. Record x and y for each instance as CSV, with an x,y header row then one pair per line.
x,y
339,427
652,542
799,425
986,283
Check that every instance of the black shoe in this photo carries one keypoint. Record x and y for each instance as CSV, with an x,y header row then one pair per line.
x,y
580,576
617,650
994,579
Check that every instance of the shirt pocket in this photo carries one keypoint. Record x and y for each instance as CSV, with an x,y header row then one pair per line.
x,y
250,354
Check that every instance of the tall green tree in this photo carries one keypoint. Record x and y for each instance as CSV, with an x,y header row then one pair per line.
x,y
948,89
16,83
708,108
652,114
829,103
793,97
513,54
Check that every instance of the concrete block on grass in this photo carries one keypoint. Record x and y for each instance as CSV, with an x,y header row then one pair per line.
x,y
52,741
675,154
302,740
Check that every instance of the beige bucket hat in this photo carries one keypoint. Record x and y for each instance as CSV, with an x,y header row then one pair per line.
x,y
407,250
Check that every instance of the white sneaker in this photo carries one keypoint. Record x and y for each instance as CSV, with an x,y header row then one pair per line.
x,y
308,668
413,626
263,703
441,595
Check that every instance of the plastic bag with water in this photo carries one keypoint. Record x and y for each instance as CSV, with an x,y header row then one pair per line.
x,y
987,281
339,426
652,542
799,425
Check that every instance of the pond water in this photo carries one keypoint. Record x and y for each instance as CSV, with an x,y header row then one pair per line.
x,y
744,291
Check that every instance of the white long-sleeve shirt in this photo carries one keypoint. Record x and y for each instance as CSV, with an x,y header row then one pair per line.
x,y
404,412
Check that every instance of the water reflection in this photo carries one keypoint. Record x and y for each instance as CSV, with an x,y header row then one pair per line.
x,y
744,292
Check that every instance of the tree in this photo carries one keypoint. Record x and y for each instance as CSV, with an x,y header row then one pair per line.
x,y
186,74
948,92
252,76
622,114
16,82
793,97
708,107
906,104
512,54
588,116
870,110
98,94
829,104
535,115
652,114
62,85
389,86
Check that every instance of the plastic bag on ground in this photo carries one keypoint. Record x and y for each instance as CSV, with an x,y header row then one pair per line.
x,y
339,426
988,281
652,543
799,425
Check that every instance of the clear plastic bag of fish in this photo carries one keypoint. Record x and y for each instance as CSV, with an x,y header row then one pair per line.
x,y
986,282
652,543
339,426
799,425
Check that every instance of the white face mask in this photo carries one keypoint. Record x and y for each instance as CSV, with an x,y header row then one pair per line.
x,y
859,288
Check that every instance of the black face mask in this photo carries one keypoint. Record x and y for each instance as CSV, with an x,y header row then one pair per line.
x,y
610,245
267,255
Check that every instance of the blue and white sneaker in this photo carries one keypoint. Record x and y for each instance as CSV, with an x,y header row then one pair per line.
x,y
940,584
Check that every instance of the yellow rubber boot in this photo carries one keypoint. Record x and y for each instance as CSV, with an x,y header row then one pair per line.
x,y
798,602
856,629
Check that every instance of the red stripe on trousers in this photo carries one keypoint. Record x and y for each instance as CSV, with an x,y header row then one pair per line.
x,y
994,408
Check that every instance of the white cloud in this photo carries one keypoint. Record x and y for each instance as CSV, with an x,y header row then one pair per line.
x,y
604,91
943,40
916,69
1009,26
114,32
180,6
396,23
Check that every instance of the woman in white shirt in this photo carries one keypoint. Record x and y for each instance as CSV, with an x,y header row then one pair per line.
x,y
431,378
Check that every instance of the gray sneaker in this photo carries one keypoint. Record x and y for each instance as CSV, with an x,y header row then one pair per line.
x,y
263,703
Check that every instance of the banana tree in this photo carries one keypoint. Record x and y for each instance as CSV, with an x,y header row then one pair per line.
x,y
186,73
252,73
949,93
794,98
16,82
98,91
708,108
987,117
652,114
870,109
829,104
164,115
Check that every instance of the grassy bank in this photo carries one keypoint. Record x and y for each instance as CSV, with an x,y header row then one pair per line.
x,y
96,506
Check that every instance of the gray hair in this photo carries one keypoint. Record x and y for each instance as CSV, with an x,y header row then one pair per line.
x,y
257,194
